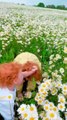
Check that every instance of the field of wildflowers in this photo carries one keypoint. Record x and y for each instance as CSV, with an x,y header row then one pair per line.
x,y
43,32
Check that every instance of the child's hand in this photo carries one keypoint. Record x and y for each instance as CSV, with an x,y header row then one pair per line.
x,y
23,75
28,73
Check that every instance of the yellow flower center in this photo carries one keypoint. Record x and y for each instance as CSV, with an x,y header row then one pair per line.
x,y
44,85
65,88
9,97
31,108
62,100
40,101
42,90
52,115
25,115
46,107
38,94
47,83
22,109
55,109
59,84
46,102
53,91
51,105
46,119
45,93
61,106
32,118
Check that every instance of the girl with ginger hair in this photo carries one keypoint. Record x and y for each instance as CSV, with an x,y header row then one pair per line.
x,y
28,60
11,76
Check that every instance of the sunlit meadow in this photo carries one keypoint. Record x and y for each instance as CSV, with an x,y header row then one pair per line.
x,y
43,32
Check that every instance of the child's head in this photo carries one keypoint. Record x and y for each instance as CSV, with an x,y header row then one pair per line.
x,y
28,60
10,74
24,57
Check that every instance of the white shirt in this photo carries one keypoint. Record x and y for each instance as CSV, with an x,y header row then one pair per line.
x,y
7,98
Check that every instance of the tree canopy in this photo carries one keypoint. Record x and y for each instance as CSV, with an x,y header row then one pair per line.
x,y
41,4
62,7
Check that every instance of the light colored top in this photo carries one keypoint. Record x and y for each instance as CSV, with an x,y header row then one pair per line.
x,y
7,98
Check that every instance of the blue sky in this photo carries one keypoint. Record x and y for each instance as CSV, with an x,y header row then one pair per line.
x,y
34,2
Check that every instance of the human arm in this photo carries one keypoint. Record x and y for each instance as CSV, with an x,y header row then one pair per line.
x,y
30,72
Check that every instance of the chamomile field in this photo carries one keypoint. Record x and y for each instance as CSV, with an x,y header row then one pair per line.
x,y
41,31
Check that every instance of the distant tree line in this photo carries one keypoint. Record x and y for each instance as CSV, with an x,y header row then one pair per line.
x,y
62,7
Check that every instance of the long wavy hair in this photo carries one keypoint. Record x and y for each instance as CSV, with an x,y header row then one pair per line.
x,y
8,73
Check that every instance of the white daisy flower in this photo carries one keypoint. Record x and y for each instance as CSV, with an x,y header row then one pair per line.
x,y
65,49
61,99
52,115
61,70
21,109
61,106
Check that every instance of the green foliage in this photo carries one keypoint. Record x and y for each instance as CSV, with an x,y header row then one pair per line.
x,y
29,101
10,51
50,6
33,94
62,114
34,82
61,7
53,98
41,4
0,45
7,56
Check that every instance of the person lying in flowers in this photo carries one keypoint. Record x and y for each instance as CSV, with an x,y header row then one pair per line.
x,y
11,76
